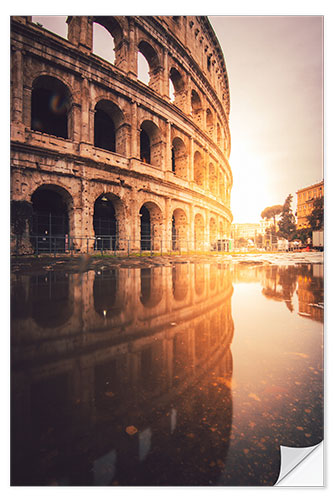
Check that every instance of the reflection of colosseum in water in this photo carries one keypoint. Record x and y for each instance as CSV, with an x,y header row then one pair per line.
x,y
148,348
98,153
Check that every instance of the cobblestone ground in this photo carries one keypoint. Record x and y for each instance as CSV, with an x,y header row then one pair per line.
x,y
84,262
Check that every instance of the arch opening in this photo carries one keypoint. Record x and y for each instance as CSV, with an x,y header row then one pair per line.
x,y
50,220
50,106
150,226
179,158
103,43
209,122
148,65
145,228
105,223
199,169
107,127
196,107
104,131
144,147
212,179
150,147
176,87
107,39
143,69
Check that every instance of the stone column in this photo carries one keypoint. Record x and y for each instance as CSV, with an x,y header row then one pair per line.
x,y
27,92
188,106
80,30
75,229
134,131
165,81
91,125
17,86
135,220
168,161
191,160
132,51
191,228
85,114
206,170
87,218
74,123
167,224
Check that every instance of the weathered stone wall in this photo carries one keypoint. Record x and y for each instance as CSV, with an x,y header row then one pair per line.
x,y
183,49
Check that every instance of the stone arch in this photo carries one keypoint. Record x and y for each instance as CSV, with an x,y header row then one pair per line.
x,y
209,123
150,143
212,233
108,130
196,107
106,218
179,229
116,32
199,232
51,103
212,179
176,81
52,219
199,169
151,56
103,43
179,158
151,226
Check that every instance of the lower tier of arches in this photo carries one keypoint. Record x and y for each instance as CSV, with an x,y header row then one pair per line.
x,y
98,217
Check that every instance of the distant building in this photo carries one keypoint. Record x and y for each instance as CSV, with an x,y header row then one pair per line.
x,y
245,230
250,230
305,199
265,224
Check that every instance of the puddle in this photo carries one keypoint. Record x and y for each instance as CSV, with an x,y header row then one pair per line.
x,y
190,374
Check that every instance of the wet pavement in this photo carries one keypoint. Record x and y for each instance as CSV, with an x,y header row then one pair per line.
x,y
166,370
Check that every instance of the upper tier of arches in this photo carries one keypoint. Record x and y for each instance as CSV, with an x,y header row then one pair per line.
x,y
190,73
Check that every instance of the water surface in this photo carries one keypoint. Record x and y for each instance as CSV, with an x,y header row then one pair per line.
x,y
191,374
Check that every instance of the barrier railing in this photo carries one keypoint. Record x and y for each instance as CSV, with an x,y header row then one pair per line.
x,y
111,245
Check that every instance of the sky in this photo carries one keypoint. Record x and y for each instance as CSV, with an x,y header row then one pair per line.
x,y
275,72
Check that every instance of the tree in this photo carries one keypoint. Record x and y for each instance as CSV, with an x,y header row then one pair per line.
x,y
271,212
302,234
286,222
316,218
241,242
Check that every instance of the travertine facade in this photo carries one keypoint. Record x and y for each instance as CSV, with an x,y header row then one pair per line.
x,y
97,153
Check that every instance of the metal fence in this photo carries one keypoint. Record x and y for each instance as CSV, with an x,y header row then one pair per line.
x,y
111,245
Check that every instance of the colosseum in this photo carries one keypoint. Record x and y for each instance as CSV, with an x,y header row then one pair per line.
x,y
101,160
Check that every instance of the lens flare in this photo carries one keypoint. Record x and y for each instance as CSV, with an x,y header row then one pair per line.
x,y
58,104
